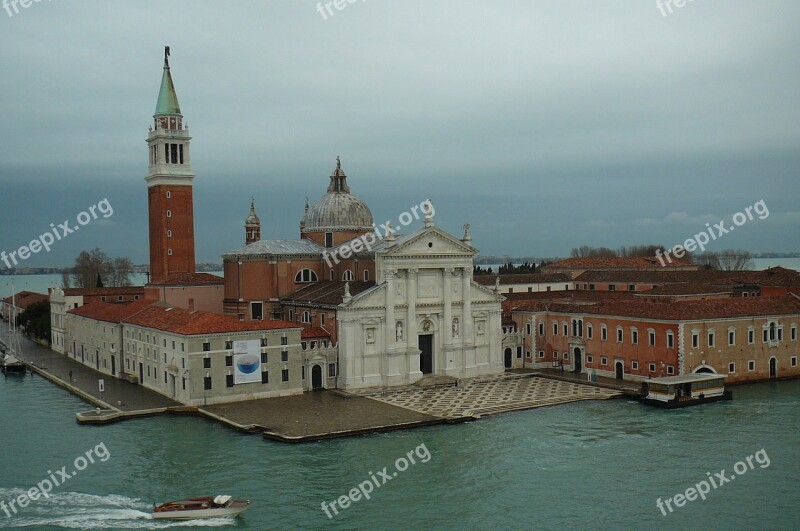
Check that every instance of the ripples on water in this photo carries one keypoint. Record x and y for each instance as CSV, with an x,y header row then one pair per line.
x,y
583,465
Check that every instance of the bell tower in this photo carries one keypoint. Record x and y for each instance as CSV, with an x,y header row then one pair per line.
x,y
169,186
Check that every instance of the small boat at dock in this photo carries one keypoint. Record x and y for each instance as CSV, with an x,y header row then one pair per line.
x,y
11,365
674,392
204,507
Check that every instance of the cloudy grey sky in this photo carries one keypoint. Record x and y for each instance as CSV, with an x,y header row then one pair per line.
x,y
546,125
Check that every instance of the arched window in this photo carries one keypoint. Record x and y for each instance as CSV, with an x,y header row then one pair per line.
x,y
305,275
348,276
305,318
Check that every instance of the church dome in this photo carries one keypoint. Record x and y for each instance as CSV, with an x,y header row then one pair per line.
x,y
338,210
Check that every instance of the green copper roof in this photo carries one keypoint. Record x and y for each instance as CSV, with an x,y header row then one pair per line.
x,y
167,98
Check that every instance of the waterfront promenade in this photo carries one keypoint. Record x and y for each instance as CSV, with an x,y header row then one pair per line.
x,y
323,414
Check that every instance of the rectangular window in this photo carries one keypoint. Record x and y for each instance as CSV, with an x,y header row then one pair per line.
x,y
285,375
229,345
751,365
263,357
710,339
207,383
793,333
731,338
528,328
206,363
651,339
670,370
589,359
619,335
263,341
174,153
180,152
541,353
228,380
328,239
206,346
603,333
651,367
589,331
257,311
695,339
284,340
566,329
331,370
612,287
555,354
766,335
604,361
635,365
555,329
635,337
285,355
322,319
183,384
229,361
793,361
631,287
731,368
303,372
751,337
519,352
541,329
265,377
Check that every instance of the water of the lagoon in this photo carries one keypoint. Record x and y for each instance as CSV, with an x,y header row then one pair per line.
x,y
590,465
40,283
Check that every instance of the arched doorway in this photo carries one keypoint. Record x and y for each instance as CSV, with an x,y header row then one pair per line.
x,y
316,377
578,363
509,359
773,367
619,370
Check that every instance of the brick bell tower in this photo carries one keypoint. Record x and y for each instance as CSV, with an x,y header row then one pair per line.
x,y
169,186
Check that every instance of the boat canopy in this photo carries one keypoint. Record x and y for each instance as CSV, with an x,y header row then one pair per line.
x,y
687,378
222,500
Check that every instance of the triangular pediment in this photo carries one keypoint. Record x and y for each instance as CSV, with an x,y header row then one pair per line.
x,y
429,241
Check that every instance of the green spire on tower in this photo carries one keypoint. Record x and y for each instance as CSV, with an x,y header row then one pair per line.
x,y
167,97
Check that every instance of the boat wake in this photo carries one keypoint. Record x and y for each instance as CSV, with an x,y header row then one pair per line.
x,y
74,510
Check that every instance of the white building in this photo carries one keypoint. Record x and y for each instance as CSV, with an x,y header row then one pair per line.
x,y
425,315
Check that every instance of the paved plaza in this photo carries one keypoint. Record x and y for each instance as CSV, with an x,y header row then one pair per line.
x,y
486,396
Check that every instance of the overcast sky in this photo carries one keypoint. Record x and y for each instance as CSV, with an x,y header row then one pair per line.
x,y
546,125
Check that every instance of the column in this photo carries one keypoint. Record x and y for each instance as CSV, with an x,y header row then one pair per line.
x,y
411,316
390,320
466,292
447,329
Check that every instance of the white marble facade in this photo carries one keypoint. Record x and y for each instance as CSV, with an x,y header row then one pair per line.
x,y
425,304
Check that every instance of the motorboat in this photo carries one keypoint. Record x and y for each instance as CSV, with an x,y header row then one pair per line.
x,y
203,507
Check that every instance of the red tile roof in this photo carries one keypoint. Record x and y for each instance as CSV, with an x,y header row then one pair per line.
x,y
161,316
315,332
685,289
115,312
692,310
91,292
632,262
190,279
531,278
326,293
23,299
167,318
